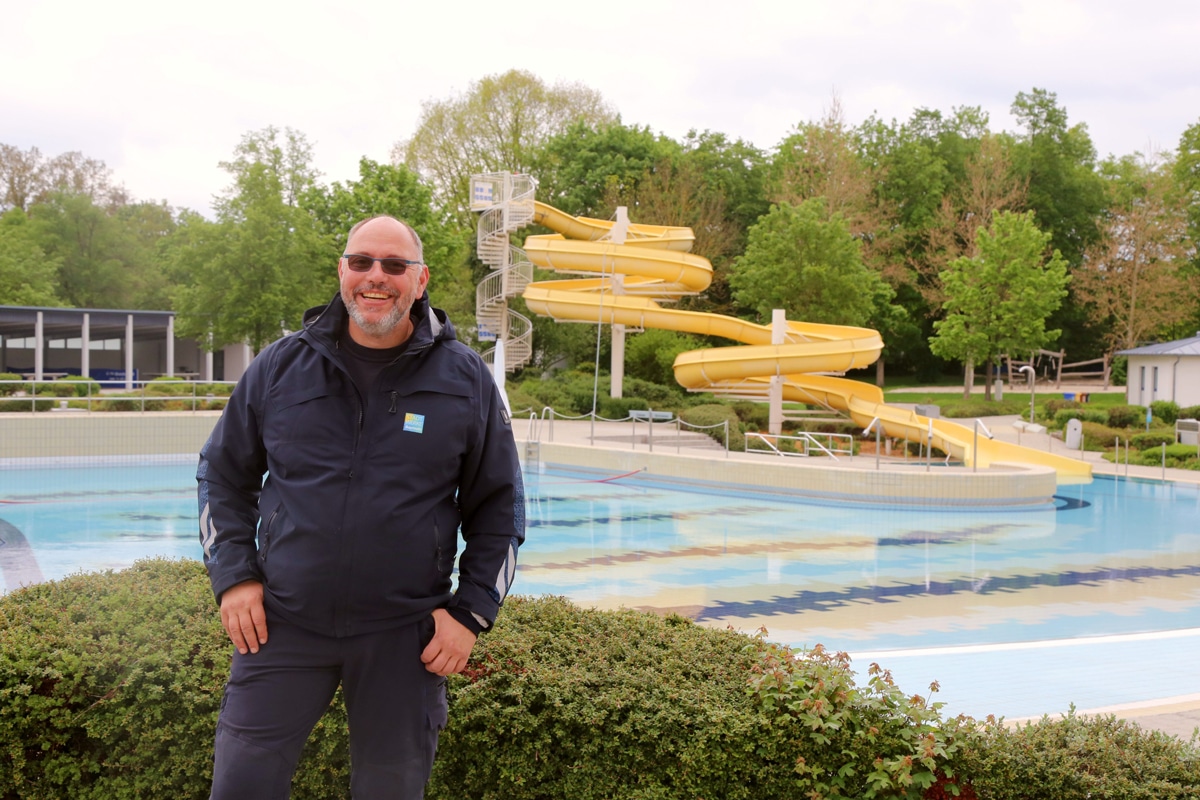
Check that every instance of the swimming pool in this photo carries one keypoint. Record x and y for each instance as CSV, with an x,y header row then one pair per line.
x,y
1110,562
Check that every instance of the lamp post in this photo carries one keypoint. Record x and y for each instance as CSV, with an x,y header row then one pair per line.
x,y
1028,370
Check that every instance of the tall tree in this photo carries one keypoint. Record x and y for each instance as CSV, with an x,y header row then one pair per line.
x,y
27,177
107,255
825,159
496,125
28,275
1136,281
998,301
988,185
249,276
581,169
802,260
397,191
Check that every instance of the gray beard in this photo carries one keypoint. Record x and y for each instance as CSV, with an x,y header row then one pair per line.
x,y
381,327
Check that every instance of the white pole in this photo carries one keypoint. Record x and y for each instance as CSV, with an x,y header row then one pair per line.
x,y
498,373
775,393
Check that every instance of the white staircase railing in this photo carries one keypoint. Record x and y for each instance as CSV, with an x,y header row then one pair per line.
x,y
506,201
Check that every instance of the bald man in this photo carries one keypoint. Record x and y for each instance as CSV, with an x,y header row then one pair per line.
x,y
380,436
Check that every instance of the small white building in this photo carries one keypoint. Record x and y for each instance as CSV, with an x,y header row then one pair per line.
x,y
1167,371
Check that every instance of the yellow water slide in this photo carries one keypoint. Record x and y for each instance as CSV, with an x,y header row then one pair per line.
x,y
654,265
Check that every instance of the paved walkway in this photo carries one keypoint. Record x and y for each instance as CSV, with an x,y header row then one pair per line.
x,y
1178,714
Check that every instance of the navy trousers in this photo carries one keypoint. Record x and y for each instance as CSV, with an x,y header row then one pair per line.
x,y
275,696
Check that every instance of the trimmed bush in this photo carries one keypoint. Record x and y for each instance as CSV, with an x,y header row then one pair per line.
x,y
110,685
1065,415
1126,416
1149,439
561,702
1075,757
715,414
1166,410
83,386
1190,412
619,407
1056,404
1098,435
8,389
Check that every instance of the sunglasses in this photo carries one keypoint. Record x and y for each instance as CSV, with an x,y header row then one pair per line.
x,y
392,266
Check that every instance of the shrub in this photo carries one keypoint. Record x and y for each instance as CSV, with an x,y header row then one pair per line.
x,y
26,405
977,407
1096,415
1190,412
1126,416
8,389
110,685
619,407
1075,757
593,705
715,414
1097,435
1055,404
1155,439
751,413
53,389
1166,410
83,386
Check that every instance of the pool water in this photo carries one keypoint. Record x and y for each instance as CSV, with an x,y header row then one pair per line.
x,y
1111,558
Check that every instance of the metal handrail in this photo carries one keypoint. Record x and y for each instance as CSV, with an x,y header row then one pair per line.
x,y
31,395
809,440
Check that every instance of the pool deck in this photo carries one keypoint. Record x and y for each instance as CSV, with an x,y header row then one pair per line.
x,y
1105,667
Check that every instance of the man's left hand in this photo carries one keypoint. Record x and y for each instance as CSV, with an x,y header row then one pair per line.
x,y
450,647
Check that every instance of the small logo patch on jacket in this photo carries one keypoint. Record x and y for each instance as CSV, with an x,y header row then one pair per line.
x,y
414,423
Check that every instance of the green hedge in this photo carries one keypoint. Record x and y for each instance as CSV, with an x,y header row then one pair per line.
x,y
110,685
1075,758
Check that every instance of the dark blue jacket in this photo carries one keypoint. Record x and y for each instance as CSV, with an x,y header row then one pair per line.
x,y
354,529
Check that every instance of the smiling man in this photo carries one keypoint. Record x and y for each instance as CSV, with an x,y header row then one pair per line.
x,y
380,435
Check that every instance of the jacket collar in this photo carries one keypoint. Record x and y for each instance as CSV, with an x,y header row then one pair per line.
x,y
324,324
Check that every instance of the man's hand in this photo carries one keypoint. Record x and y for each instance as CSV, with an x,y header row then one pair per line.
x,y
448,650
243,616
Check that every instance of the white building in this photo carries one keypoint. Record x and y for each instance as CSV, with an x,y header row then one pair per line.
x,y
1167,371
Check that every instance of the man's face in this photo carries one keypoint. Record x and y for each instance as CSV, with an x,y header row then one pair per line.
x,y
379,303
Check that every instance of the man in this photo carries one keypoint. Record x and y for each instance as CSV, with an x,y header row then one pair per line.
x,y
379,434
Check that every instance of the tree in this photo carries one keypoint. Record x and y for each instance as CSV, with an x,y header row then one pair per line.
x,y
580,169
800,259
107,255
27,178
1059,163
397,191
1136,280
28,276
496,125
825,159
249,276
999,300
988,185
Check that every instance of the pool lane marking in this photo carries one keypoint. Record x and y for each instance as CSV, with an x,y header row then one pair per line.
x,y
1046,644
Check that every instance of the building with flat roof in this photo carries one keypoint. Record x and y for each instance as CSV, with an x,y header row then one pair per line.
x,y
116,347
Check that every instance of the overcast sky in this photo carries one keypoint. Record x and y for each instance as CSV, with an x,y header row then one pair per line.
x,y
163,91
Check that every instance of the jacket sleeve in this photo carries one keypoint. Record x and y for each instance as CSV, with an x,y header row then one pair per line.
x,y
229,478
492,501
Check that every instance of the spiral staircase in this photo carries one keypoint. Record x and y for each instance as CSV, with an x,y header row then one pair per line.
x,y
506,201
